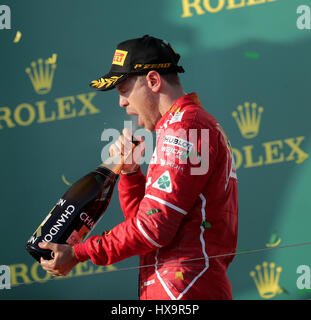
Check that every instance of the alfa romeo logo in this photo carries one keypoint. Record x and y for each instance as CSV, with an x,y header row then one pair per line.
x,y
164,182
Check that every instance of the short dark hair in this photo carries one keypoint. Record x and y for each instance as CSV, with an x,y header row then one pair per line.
x,y
171,78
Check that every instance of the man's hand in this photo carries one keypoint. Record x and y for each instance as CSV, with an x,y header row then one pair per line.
x,y
63,261
124,146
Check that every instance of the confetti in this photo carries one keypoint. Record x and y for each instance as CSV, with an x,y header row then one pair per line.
x,y
65,181
274,240
17,37
303,291
252,55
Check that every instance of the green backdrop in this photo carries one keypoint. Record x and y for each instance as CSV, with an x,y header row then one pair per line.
x,y
235,53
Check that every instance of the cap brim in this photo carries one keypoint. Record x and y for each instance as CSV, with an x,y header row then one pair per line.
x,y
108,82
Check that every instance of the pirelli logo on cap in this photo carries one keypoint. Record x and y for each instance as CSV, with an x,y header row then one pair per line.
x,y
119,57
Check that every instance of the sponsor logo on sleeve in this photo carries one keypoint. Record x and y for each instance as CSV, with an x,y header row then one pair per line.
x,y
176,117
178,142
178,153
152,211
163,183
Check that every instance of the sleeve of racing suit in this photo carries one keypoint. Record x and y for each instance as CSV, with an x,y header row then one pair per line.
x,y
172,192
131,192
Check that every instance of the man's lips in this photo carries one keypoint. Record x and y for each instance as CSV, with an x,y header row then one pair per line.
x,y
131,113
139,121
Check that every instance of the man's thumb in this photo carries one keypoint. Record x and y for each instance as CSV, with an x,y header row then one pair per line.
x,y
47,245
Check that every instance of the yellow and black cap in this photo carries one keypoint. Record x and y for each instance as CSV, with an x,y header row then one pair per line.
x,y
139,56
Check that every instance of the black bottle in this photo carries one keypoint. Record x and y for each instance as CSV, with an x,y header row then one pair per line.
x,y
78,210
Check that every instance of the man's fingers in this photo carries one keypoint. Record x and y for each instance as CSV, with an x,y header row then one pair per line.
x,y
48,245
44,263
124,143
53,272
49,264
119,145
50,267
114,150
124,146
138,152
127,134
63,261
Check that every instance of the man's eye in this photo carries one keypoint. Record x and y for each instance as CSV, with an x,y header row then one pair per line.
x,y
122,90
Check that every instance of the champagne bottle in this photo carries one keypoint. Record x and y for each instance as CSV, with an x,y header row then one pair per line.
x,y
79,209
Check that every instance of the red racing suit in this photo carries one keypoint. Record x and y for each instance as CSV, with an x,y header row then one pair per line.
x,y
182,214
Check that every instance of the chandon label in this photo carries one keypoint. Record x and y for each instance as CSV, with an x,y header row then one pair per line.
x,y
59,223
88,220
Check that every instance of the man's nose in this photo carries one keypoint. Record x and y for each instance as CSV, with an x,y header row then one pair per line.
x,y
123,102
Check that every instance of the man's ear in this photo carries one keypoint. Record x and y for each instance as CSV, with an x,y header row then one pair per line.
x,y
154,81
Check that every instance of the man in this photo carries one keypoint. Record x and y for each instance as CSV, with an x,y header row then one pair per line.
x,y
186,209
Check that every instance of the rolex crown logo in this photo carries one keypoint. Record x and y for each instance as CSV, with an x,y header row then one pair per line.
x,y
267,282
41,74
248,119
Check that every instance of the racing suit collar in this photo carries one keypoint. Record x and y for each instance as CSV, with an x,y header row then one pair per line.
x,y
179,104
